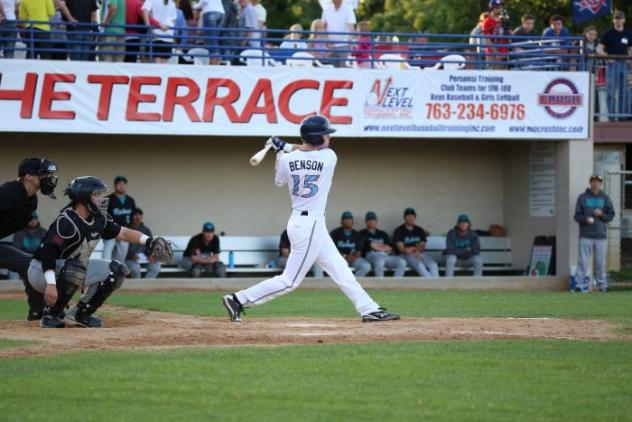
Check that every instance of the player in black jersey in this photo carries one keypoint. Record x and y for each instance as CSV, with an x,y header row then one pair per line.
x,y
18,201
62,264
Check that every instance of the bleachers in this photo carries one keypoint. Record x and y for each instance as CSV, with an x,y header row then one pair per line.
x,y
252,255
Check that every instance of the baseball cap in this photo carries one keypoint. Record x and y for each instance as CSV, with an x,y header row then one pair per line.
x,y
409,211
595,176
208,227
495,3
346,214
370,215
619,14
138,211
463,218
120,178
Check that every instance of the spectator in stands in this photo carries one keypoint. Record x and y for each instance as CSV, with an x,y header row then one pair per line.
x,y
590,44
318,40
58,39
211,15
378,249
293,39
476,37
526,29
137,254
37,40
80,26
121,206
202,254
249,22
617,41
8,29
28,239
262,14
284,253
556,29
592,212
350,245
339,17
494,27
185,22
134,16
362,50
462,248
230,23
164,11
113,21
410,241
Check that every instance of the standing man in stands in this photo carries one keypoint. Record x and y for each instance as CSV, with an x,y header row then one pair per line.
x,y
120,207
339,17
410,241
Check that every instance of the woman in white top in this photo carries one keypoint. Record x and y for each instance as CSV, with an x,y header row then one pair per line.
x,y
293,39
164,11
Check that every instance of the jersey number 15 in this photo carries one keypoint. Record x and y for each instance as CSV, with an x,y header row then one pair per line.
x,y
309,184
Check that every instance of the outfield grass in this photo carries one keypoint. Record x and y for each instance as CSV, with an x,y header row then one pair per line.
x,y
614,306
476,380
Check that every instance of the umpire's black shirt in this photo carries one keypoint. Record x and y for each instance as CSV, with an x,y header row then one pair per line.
x,y
16,208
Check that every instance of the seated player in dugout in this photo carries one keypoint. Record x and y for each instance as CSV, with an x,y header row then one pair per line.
x,y
62,264
350,244
410,241
202,254
378,250
463,248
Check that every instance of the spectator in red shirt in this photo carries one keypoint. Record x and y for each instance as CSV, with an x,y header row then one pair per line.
x,y
493,26
362,50
134,16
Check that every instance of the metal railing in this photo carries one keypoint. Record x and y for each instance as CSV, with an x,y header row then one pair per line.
x,y
238,46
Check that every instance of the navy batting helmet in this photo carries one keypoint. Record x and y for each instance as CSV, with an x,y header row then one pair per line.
x,y
313,128
81,190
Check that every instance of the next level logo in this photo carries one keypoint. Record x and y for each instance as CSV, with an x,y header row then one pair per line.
x,y
560,98
385,101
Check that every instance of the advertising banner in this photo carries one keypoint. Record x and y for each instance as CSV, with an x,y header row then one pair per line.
x,y
126,98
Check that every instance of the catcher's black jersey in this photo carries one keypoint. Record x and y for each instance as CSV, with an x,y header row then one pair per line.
x,y
70,236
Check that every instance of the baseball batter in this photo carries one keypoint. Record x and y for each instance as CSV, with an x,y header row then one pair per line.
x,y
308,172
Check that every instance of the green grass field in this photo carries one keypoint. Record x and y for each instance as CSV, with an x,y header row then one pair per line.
x,y
442,380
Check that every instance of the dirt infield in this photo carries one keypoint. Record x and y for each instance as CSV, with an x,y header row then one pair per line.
x,y
132,329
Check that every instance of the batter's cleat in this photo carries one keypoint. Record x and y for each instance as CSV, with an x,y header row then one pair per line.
x,y
380,315
234,308
81,317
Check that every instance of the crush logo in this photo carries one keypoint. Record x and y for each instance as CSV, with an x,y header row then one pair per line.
x,y
386,101
594,6
560,98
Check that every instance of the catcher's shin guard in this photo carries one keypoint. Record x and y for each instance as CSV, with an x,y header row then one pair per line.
x,y
65,292
115,279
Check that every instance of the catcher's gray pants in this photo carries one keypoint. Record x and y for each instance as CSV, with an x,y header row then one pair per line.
x,y
135,269
379,260
317,270
98,271
586,247
423,264
451,261
115,249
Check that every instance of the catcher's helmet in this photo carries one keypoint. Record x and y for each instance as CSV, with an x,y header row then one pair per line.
x,y
81,190
313,128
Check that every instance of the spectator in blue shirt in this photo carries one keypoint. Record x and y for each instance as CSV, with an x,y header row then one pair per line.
x,y
557,30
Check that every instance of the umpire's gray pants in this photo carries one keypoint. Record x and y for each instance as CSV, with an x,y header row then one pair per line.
x,y
586,247
423,264
98,270
379,260
135,269
451,261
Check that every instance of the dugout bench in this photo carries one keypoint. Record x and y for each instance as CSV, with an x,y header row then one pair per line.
x,y
256,255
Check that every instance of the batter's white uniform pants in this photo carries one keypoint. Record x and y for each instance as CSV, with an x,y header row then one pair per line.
x,y
311,243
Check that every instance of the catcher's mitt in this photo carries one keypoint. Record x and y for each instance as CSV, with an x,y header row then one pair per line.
x,y
160,248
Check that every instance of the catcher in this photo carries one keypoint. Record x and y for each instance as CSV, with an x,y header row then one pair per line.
x,y
62,264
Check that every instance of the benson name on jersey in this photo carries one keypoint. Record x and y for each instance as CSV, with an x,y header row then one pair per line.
x,y
306,165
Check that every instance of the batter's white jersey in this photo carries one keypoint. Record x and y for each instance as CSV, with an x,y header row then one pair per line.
x,y
308,175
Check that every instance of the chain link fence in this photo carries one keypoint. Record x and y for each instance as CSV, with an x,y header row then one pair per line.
x,y
618,185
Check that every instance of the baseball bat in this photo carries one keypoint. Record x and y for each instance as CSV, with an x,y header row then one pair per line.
x,y
259,156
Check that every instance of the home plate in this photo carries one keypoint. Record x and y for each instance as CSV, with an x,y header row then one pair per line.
x,y
307,325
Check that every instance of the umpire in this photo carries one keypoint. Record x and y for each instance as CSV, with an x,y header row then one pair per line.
x,y
18,201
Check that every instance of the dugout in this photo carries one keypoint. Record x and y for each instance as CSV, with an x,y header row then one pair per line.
x,y
181,182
